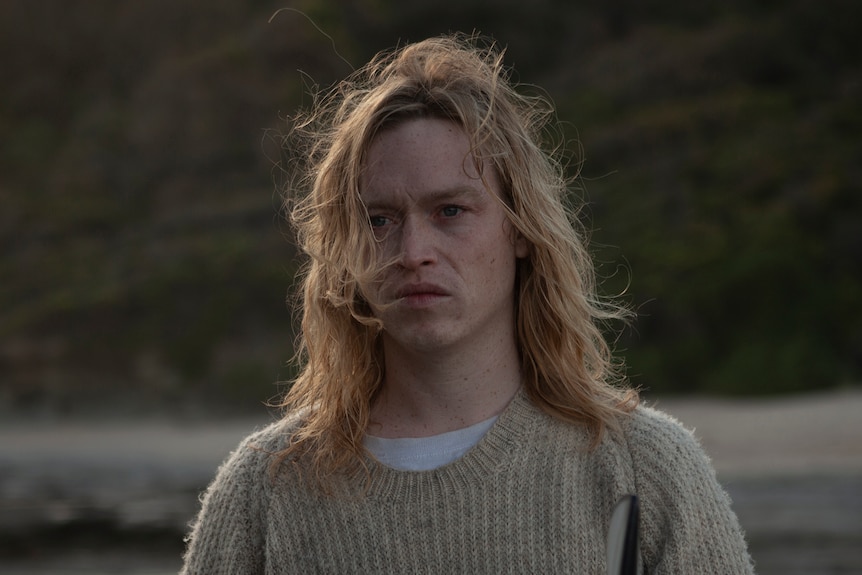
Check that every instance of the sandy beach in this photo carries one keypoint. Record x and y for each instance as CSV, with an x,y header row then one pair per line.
x,y
793,467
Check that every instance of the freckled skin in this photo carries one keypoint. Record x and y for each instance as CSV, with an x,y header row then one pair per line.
x,y
449,318
430,208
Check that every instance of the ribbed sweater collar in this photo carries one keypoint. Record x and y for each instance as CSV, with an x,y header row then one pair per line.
x,y
499,448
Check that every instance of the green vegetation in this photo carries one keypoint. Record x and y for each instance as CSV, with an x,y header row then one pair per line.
x,y
143,251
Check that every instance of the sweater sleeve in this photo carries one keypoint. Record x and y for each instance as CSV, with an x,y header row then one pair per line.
x,y
228,534
687,523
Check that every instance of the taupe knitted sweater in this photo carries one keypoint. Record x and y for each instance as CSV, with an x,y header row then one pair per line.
x,y
531,497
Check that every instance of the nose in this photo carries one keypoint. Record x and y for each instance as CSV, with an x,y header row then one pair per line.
x,y
417,243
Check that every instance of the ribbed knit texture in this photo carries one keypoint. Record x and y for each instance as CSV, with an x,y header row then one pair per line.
x,y
530,497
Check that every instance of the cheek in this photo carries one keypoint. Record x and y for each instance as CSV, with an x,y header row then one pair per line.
x,y
495,265
371,289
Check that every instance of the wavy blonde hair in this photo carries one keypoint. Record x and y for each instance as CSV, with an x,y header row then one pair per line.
x,y
568,369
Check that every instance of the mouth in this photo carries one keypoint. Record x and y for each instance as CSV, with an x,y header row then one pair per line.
x,y
420,294
420,289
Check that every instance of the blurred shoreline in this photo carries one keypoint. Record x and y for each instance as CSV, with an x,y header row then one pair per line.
x,y
116,496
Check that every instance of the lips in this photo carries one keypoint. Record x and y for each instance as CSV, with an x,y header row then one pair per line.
x,y
420,290
420,295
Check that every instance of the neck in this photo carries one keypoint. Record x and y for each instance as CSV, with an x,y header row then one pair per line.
x,y
428,394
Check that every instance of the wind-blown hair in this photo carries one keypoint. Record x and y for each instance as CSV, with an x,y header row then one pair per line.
x,y
566,364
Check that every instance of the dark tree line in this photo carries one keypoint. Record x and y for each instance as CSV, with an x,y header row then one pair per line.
x,y
143,253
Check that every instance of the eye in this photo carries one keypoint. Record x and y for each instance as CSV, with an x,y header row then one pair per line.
x,y
378,221
451,211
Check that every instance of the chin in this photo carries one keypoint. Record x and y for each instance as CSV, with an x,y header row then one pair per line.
x,y
423,341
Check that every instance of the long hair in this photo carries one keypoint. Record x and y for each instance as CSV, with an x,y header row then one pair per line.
x,y
568,369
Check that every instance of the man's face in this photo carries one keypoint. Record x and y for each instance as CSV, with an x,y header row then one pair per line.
x,y
454,248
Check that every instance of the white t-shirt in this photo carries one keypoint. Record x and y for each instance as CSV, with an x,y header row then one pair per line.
x,y
424,453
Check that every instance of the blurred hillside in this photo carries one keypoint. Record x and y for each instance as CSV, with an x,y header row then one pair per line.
x,y
144,258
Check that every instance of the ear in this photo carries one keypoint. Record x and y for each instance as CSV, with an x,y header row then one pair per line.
x,y
522,247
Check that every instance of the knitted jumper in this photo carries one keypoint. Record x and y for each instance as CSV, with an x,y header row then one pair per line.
x,y
530,497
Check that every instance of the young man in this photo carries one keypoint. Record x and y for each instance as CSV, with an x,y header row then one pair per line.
x,y
457,409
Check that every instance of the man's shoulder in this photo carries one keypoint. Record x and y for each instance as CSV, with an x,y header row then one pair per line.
x,y
653,426
269,440
662,446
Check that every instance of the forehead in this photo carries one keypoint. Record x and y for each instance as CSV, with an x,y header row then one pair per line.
x,y
422,155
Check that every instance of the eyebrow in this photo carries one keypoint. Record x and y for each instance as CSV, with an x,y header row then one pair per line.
x,y
446,194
